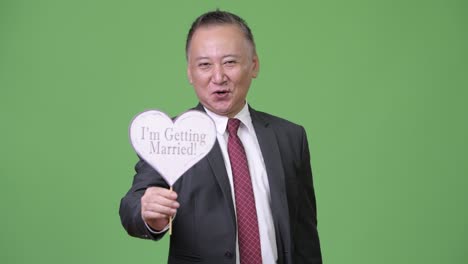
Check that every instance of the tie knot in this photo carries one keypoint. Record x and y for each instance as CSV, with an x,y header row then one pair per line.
x,y
233,126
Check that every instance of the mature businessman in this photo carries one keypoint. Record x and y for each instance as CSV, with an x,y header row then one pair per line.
x,y
251,199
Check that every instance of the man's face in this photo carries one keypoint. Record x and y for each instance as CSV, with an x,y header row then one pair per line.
x,y
221,65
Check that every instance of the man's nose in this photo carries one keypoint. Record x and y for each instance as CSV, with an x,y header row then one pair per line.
x,y
219,77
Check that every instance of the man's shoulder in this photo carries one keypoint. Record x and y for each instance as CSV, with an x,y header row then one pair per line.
x,y
274,121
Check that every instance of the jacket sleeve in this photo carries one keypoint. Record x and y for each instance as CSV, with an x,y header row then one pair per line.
x,y
305,234
130,205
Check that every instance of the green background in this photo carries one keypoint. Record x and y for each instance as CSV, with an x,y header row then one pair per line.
x,y
380,86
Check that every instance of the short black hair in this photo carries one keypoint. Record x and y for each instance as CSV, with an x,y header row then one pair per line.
x,y
219,17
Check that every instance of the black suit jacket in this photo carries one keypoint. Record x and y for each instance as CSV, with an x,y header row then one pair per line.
x,y
204,229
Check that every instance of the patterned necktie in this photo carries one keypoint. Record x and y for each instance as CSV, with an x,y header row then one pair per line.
x,y
247,223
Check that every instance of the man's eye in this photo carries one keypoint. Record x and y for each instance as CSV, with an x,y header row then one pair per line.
x,y
230,62
204,65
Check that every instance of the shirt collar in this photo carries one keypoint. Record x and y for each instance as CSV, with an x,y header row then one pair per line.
x,y
221,121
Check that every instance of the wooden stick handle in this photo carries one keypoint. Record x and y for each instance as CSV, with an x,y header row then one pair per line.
x,y
170,219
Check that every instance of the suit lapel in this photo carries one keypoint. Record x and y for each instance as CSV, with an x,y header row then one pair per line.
x,y
274,167
215,158
216,161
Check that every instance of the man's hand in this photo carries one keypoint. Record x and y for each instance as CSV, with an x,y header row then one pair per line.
x,y
157,205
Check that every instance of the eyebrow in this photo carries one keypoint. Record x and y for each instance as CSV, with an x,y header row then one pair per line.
x,y
225,56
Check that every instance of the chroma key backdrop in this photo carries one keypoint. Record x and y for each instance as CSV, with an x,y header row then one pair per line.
x,y
380,87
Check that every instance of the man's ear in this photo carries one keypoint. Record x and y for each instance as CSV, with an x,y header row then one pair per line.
x,y
255,66
189,74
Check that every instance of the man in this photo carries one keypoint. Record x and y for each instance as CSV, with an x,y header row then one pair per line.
x,y
251,199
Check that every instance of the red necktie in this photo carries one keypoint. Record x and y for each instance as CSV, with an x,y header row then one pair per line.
x,y
247,223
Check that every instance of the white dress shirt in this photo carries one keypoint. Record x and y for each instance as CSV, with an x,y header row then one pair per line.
x,y
261,188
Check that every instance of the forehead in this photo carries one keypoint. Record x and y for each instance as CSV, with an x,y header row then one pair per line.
x,y
219,38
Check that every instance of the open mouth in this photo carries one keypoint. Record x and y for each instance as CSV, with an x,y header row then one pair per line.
x,y
223,92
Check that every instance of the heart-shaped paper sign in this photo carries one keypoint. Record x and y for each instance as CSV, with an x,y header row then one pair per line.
x,y
172,147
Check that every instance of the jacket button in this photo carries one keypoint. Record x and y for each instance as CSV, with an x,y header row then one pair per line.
x,y
228,254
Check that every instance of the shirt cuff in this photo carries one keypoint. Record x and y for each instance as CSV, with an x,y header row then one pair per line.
x,y
154,231
159,232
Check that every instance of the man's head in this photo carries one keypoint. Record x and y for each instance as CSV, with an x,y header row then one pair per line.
x,y
221,61
219,18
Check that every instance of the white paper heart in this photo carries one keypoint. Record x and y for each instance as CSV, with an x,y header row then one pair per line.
x,y
172,147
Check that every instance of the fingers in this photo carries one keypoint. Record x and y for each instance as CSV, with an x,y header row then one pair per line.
x,y
157,205
155,194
